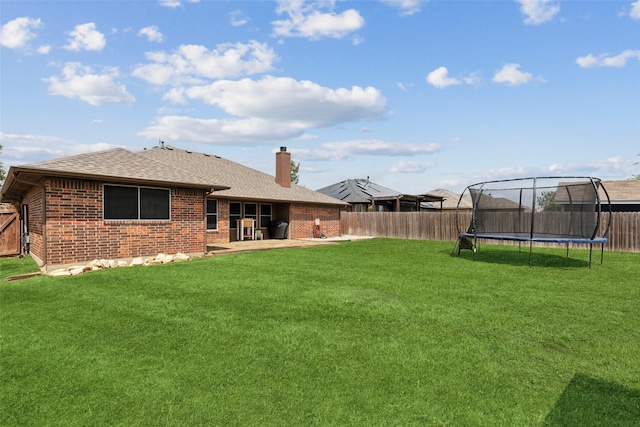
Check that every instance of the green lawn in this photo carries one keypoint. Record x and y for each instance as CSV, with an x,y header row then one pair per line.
x,y
377,332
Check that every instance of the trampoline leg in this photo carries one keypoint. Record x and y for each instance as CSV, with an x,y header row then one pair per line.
x,y
567,250
590,253
601,253
475,247
530,249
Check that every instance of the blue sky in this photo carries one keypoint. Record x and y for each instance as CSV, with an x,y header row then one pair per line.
x,y
416,95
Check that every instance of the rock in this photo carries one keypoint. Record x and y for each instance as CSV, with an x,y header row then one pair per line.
x,y
75,271
59,272
137,261
181,257
122,263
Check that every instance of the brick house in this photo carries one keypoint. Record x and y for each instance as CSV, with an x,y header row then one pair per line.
x,y
122,204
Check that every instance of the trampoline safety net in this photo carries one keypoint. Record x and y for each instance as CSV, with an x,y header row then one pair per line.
x,y
545,209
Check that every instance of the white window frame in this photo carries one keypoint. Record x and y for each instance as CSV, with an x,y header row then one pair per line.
x,y
216,214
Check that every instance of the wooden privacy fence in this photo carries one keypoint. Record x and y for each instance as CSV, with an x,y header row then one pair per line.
x,y
624,234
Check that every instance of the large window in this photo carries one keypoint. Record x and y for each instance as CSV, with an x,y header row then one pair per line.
x,y
251,211
136,203
238,210
235,213
265,214
212,214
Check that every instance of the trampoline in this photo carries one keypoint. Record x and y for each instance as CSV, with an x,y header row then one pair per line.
x,y
564,210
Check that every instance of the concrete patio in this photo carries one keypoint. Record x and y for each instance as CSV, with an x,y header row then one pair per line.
x,y
260,245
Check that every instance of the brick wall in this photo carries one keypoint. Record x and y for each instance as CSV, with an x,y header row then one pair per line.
x,y
221,235
76,231
33,200
303,216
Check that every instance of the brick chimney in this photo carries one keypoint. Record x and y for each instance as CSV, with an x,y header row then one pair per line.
x,y
283,167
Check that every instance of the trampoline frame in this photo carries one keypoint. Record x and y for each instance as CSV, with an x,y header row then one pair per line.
x,y
464,237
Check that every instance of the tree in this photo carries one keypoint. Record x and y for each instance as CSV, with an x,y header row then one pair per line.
x,y
3,173
295,172
546,201
636,176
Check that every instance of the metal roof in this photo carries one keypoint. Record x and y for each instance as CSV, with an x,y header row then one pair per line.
x,y
363,191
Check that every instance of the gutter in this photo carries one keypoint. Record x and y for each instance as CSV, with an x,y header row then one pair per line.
x,y
44,212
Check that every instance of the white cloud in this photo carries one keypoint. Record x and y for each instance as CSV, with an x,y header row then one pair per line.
x,y
440,78
604,60
309,20
343,150
152,33
15,137
191,63
538,11
220,131
175,3
79,82
27,148
44,49
511,75
284,100
17,33
381,148
407,7
611,168
409,166
605,169
635,10
473,79
86,37
237,18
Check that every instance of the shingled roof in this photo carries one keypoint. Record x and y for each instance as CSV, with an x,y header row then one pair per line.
x,y
451,199
167,166
621,192
243,182
117,165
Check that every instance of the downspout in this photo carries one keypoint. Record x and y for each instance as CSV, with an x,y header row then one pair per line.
x,y
44,213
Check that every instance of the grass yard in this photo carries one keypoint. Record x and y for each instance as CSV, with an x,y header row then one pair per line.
x,y
375,332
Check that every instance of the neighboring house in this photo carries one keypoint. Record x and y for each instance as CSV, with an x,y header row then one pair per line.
x,y
364,195
450,200
624,195
121,204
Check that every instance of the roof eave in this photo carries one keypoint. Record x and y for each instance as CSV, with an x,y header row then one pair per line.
x,y
42,172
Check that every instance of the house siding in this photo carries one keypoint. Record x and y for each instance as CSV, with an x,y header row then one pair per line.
x,y
303,219
76,231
